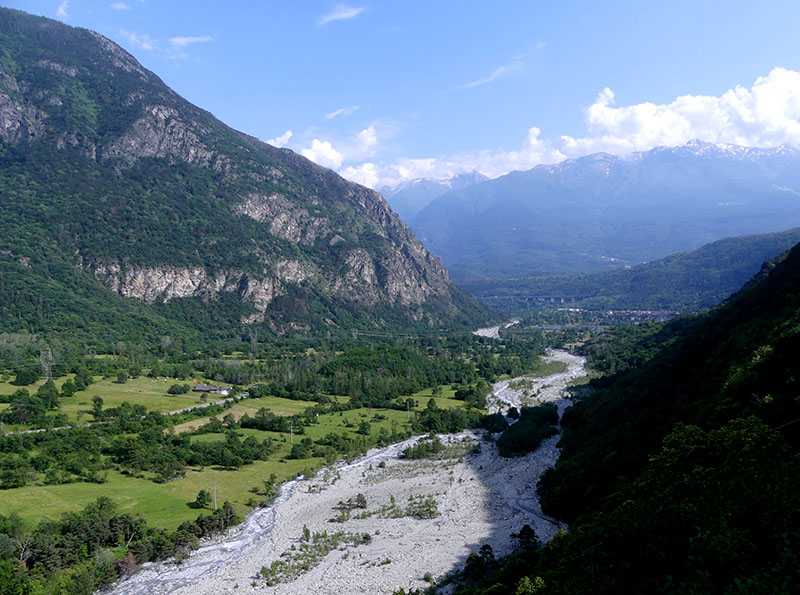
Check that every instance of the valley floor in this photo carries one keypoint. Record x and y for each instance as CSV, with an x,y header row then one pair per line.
x,y
481,497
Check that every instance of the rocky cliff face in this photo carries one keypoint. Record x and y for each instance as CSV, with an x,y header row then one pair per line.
x,y
254,221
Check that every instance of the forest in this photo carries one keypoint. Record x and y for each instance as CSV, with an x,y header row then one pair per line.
x,y
679,472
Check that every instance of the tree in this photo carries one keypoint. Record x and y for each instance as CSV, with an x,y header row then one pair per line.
x,y
363,428
526,586
203,499
97,407
269,485
68,388
486,554
48,393
525,539
25,376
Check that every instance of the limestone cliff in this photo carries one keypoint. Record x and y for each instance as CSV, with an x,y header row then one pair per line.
x,y
161,201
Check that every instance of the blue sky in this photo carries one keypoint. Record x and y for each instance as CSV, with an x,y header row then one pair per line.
x,y
391,90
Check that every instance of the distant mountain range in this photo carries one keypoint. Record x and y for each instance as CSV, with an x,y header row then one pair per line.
x,y
683,282
602,211
410,197
129,212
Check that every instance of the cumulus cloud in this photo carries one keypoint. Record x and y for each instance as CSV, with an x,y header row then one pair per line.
x,y
366,140
340,12
323,153
764,115
280,141
181,42
141,41
357,147
120,6
345,111
61,13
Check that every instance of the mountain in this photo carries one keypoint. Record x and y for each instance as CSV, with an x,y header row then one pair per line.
x,y
684,282
602,211
409,198
114,185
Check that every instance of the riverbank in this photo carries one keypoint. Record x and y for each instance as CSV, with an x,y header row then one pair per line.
x,y
532,390
480,497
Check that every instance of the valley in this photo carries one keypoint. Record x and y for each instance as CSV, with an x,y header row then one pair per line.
x,y
433,335
480,497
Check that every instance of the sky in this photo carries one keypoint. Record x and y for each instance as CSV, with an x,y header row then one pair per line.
x,y
387,91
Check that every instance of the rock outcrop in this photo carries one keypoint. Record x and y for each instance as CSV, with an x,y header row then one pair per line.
x,y
145,165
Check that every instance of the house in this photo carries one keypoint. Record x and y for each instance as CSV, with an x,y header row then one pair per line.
x,y
201,387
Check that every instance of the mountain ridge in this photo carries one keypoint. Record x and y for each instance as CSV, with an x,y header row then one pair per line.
x,y
683,282
602,211
159,200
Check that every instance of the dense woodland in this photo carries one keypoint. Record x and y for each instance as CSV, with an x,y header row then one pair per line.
x,y
686,282
681,473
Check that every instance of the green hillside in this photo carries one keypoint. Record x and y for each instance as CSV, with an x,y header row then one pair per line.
x,y
681,474
685,282
111,183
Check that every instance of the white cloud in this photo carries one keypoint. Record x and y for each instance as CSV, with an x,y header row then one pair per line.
x,y
61,13
765,115
143,41
357,147
323,153
366,140
515,63
181,42
280,141
366,174
120,6
345,111
340,12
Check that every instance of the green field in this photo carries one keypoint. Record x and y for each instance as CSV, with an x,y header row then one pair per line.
x,y
168,504
164,505
150,392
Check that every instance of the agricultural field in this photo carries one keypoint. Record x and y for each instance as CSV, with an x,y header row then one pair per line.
x,y
164,505
169,504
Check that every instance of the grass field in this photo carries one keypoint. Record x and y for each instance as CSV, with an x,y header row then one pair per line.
x,y
150,392
163,505
169,504
277,405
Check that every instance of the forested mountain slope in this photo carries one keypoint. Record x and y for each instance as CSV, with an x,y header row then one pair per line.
x,y
681,474
684,282
109,178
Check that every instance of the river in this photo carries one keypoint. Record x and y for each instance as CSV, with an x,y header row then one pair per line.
x,y
491,498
